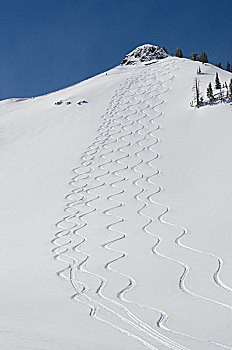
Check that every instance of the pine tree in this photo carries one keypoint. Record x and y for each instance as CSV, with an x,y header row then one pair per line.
x,y
230,89
227,90
198,99
203,57
199,70
194,56
228,67
179,53
172,53
221,95
165,50
210,93
217,82
219,65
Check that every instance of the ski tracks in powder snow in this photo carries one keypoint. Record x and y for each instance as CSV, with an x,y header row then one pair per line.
x,y
114,189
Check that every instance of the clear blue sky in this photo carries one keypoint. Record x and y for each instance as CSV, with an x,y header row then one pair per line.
x,y
48,44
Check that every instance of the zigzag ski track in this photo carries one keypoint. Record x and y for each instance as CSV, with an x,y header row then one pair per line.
x,y
115,231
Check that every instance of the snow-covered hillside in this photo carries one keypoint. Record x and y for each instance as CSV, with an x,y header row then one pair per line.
x,y
115,214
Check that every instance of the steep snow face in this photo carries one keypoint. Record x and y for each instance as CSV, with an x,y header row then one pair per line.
x,y
144,53
115,214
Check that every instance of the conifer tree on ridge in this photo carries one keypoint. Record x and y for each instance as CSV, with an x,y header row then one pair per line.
x,y
219,65
203,57
194,56
179,53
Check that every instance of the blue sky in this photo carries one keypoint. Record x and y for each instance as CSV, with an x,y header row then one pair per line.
x,y
49,44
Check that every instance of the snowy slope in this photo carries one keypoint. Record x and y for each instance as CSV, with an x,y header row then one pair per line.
x,y
130,193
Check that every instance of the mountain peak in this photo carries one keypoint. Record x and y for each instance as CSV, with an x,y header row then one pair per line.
x,y
144,53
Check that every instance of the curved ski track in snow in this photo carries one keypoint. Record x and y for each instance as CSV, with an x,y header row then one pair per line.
x,y
82,202
164,316
76,285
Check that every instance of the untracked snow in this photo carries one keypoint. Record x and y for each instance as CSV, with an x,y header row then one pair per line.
x,y
115,214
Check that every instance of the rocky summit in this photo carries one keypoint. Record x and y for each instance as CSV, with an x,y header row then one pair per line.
x,y
144,53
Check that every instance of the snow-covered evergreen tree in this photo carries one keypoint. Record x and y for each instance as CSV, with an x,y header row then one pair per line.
x,y
230,90
217,82
227,90
197,98
221,95
210,93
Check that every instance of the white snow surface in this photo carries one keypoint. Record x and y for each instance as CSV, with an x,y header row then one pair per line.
x,y
116,214
144,53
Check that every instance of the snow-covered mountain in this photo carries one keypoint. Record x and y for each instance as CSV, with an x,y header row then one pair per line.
x,y
129,189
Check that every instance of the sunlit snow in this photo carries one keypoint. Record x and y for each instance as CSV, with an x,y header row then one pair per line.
x,y
115,214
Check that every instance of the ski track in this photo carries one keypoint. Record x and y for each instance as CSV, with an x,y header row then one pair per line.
x,y
97,167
